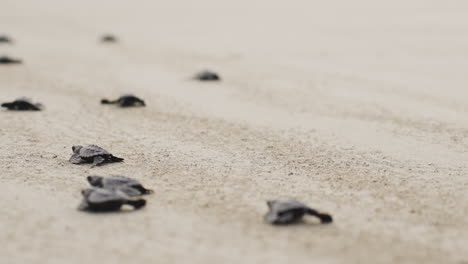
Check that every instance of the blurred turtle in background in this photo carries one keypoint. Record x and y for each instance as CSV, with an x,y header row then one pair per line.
x,y
5,39
92,154
207,76
9,60
108,38
127,100
283,212
22,104
106,200
130,187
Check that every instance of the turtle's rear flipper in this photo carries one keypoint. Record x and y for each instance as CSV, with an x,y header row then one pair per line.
x,y
76,159
137,204
143,190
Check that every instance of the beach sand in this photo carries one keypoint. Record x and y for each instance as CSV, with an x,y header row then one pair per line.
x,y
357,108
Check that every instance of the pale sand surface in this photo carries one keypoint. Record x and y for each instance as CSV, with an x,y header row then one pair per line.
x,y
358,108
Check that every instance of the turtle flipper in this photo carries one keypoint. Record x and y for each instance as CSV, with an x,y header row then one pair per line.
x,y
143,190
324,218
37,107
137,204
115,159
105,101
76,159
141,102
7,105
98,160
83,206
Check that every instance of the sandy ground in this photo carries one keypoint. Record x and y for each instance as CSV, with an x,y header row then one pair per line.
x,y
358,108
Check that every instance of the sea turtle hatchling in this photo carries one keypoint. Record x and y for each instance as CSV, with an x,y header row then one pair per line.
x,y
9,60
107,200
5,39
290,211
108,38
92,154
207,76
130,187
22,104
125,101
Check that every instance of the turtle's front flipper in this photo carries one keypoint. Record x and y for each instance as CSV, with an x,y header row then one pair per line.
x,y
76,159
324,218
7,105
98,160
143,190
83,206
141,102
137,204
105,101
115,159
37,107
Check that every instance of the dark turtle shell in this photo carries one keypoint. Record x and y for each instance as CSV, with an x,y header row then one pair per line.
x,y
22,104
291,211
106,200
89,151
129,186
207,76
127,100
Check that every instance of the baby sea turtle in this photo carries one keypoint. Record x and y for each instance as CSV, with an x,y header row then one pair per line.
x,y
290,211
106,200
108,38
127,185
22,104
92,154
127,100
207,76
5,39
8,60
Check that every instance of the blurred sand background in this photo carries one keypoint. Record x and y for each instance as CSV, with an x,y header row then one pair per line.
x,y
358,108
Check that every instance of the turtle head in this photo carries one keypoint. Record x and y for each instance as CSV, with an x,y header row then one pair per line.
x,y
86,192
76,148
6,105
270,203
95,181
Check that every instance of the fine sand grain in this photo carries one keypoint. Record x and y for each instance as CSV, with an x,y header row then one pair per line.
x,y
358,108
